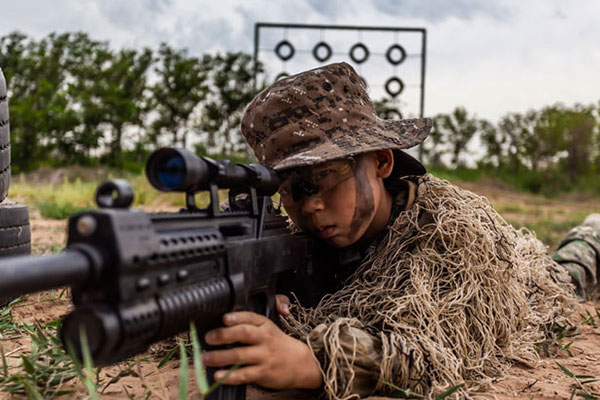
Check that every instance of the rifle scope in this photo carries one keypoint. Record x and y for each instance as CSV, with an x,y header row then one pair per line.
x,y
178,170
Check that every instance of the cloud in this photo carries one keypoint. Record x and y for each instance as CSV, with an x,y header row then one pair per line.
x,y
439,10
334,9
493,56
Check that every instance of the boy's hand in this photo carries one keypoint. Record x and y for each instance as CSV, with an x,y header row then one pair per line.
x,y
283,304
271,358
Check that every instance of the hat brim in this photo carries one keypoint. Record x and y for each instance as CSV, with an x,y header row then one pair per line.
x,y
368,136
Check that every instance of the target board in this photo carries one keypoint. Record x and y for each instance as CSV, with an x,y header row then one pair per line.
x,y
390,60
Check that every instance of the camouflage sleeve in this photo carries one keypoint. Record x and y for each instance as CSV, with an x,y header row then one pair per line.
x,y
349,357
579,254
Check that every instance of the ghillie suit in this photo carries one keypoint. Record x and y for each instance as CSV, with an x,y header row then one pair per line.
x,y
452,294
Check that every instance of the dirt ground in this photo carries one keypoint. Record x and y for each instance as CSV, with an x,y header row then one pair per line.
x,y
548,381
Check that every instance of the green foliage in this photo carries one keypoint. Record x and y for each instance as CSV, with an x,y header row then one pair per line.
x,y
183,372
57,202
42,371
232,88
457,128
74,100
57,210
579,386
39,106
182,86
199,369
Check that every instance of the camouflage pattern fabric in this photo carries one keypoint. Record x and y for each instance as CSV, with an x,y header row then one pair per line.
x,y
321,115
579,254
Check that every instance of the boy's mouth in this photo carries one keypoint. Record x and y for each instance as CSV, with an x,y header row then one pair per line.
x,y
326,231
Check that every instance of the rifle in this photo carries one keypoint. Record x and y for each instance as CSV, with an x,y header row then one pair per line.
x,y
137,278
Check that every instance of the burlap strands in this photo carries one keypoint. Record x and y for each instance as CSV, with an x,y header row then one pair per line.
x,y
454,294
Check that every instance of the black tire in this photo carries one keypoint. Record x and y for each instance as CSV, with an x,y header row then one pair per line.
x,y
15,233
389,54
4,140
328,51
390,90
281,48
365,56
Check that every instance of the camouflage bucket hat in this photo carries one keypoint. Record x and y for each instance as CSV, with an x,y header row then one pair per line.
x,y
324,114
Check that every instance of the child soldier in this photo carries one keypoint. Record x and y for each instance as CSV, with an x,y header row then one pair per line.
x,y
445,291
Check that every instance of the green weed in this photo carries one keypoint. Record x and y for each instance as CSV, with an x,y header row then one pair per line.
x,y
43,372
60,201
199,369
578,386
554,344
57,210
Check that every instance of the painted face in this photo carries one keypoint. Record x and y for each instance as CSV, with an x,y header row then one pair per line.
x,y
314,181
335,201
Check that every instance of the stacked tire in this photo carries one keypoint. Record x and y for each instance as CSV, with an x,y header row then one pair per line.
x,y
15,232
4,140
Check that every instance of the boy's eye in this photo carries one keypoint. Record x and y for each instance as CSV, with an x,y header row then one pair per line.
x,y
322,174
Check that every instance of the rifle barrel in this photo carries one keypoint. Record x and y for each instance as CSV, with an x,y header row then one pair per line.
x,y
26,274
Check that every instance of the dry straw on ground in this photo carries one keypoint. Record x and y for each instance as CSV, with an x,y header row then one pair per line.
x,y
454,295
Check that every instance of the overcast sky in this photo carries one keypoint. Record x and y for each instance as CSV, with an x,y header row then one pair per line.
x,y
491,56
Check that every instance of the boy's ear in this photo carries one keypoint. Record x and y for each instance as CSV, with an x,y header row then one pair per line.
x,y
384,163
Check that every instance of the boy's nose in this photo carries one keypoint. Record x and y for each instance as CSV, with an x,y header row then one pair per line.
x,y
312,204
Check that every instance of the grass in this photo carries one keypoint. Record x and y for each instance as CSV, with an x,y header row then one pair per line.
x,y
42,372
69,197
579,388
47,371
554,345
547,183
60,201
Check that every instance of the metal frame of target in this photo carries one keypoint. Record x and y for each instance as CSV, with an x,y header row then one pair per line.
x,y
358,53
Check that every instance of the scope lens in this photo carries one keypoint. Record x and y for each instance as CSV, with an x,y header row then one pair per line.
x,y
170,171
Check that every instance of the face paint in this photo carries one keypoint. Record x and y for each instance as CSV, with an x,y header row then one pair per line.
x,y
310,181
340,215
364,200
303,221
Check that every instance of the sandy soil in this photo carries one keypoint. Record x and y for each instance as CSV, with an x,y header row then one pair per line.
x,y
547,381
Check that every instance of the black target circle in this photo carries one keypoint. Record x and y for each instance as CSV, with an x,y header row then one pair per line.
x,y
389,86
285,50
392,114
317,49
391,51
357,47
281,76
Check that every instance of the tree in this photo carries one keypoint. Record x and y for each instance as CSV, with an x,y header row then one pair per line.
x,y
84,59
433,148
181,87
574,128
39,107
518,137
113,93
456,129
231,89
492,143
